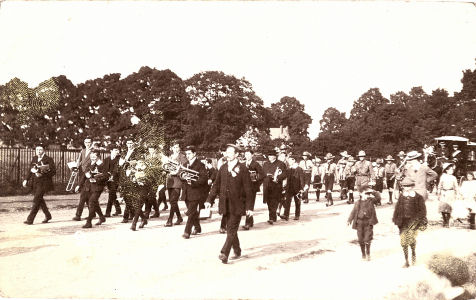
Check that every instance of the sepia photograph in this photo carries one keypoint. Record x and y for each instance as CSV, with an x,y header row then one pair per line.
x,y
238,150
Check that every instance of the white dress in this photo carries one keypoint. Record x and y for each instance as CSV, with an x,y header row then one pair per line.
x,y
467,200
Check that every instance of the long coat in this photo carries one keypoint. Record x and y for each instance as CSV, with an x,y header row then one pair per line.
x,y
196,189
270,188
296,181
45,181
112,167
422,176
256,167
237,189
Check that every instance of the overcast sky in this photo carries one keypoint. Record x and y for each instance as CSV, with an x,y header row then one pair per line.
x,y
323,53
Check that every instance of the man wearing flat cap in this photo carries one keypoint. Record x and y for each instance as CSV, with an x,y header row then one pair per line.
x,y
419,173
233,185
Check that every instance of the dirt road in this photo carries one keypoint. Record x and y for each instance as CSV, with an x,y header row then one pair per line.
x,y
314,258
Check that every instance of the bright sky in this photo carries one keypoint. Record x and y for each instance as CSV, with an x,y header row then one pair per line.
x,y
323,53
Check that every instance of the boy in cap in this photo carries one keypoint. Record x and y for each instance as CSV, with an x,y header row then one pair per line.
x,y
363,217
409,216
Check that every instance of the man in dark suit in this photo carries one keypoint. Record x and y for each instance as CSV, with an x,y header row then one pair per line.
x,y
83,162
296,184
256,176
111,165
42,169
193,192
233,185
273,184
92,184
174,186
132,153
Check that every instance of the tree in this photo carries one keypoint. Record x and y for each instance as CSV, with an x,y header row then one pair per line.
x,y
222,109
290,112
332,121
368,102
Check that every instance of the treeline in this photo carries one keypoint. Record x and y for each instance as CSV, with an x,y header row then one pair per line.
x,y
207,110
406,121
211,109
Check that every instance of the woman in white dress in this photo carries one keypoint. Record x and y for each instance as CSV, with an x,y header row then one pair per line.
x,y
466,204
447,191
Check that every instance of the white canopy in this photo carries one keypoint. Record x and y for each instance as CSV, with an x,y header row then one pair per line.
x,y
452,138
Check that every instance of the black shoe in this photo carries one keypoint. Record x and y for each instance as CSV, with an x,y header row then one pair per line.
x,y
178,222
196,231
284,218
88,225
28,222
390,202
222,230
296,218
156,215
246,227
133,226
131,217
168,224
186,235
101,221
223,258
125,220
307,201
118,213
236,256
406,265
46,220
77,218
165,208
107,215
270,222
143,223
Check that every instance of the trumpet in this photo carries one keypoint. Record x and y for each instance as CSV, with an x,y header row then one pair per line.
x,y
174,168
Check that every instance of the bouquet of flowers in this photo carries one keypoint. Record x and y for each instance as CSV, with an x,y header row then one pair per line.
x,y
136,171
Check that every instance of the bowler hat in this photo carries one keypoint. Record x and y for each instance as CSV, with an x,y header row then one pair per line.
x,y
407,181
305,153
351,159
237,148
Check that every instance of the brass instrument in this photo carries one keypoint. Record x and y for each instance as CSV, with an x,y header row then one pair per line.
x,y
40,169
74,167
276,174
175,168
253,176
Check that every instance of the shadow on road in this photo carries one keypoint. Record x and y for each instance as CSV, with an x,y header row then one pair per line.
x,y
20,250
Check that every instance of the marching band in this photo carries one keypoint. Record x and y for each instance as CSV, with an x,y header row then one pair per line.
x,y
142,179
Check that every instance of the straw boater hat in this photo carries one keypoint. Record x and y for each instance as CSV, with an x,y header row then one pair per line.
x,y
329,156
351,159
389,158
344,154
361,153
412,155
446,166
305,153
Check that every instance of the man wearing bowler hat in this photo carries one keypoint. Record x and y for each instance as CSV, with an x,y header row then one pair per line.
x,y
233,185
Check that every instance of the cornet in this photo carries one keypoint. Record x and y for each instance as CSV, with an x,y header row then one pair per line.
x,y
174,168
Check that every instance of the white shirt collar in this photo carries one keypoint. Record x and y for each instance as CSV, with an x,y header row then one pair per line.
x,y
192,161
232,164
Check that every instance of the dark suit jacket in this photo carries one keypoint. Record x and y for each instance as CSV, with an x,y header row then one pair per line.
x,y
84,161
418,209
196,189
236,190
112,167
355,212
268,170
45,181
212,174
98,186
296,181
256,167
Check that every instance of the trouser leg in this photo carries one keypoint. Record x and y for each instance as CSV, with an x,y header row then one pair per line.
x,y
37,203
232,235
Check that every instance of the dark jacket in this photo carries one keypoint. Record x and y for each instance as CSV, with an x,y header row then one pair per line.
x,y
268,183
355,212
45,181
112,167
296,181
236,189
196,189
101,178
256,167
417,209
212,174
173,181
